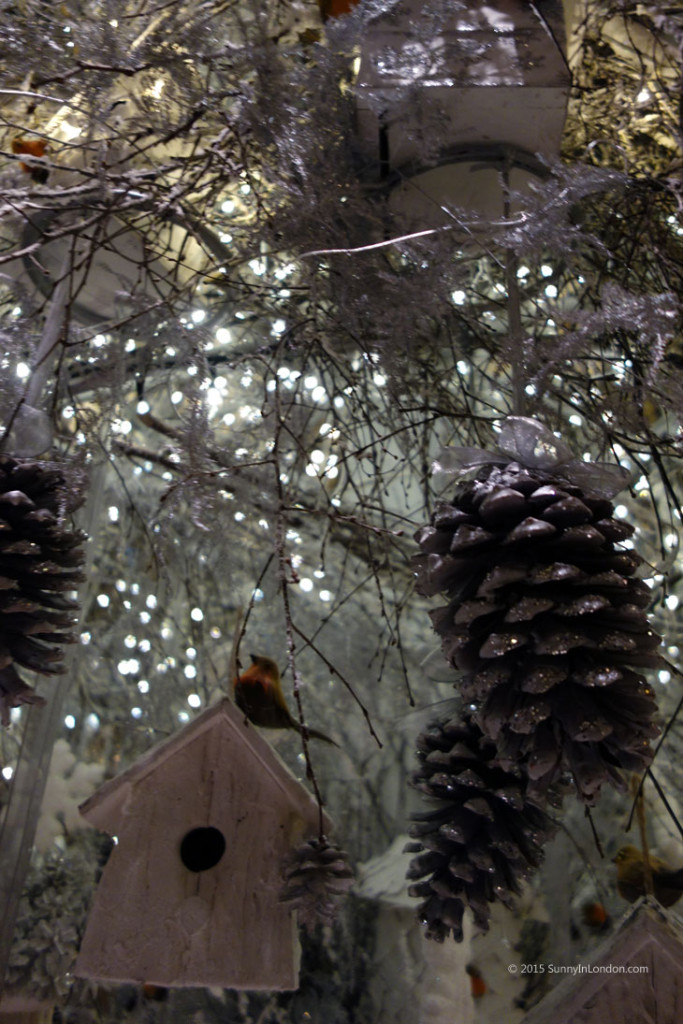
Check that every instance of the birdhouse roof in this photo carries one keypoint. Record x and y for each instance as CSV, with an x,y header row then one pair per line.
x,y
105,807
635,975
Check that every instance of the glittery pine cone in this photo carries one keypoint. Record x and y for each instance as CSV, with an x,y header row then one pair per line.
x,y
546,623
316,875
40,558
481,839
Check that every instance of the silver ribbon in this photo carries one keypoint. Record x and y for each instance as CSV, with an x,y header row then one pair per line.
x,y
532,445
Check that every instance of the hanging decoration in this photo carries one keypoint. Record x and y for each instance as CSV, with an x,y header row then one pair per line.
x,y
191,893
40,566
316,874
545,622
482,836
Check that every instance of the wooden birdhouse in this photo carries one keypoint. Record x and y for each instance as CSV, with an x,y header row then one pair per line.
x,y
190,893
635,976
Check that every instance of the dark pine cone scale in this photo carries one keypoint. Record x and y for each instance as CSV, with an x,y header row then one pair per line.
x,y
482,837
40,559
547,624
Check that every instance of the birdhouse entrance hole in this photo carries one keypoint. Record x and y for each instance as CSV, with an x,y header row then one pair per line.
x,y
202,848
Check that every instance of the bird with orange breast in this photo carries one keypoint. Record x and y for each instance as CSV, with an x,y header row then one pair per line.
x,y
32,147
258,693
667,883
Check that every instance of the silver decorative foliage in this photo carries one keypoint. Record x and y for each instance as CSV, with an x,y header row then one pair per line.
x,y
52,917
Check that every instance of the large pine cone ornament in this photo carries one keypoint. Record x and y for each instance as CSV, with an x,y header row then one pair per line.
x,y
483,835
316,874
40,556
546,623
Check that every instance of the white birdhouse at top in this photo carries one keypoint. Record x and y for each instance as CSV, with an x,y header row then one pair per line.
x,y
190,893
443,105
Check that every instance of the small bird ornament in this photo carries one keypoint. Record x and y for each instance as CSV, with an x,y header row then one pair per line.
x,y
32,147
667,883
258,693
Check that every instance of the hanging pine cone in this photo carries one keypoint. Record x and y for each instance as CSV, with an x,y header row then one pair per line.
x,y
316,874
546,623
40,558
482,837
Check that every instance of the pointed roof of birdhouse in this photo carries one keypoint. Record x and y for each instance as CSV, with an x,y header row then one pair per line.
x,y
105,808
636,975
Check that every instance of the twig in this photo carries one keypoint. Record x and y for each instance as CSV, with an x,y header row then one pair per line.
x,y
640,810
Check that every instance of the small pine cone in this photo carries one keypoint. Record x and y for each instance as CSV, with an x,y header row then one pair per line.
x,y
316,874
482,837
546,623
40,558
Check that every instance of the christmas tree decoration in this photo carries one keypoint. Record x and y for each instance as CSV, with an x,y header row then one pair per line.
x,y
40,560
482,837
191,893
258,693
546,620
316,874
